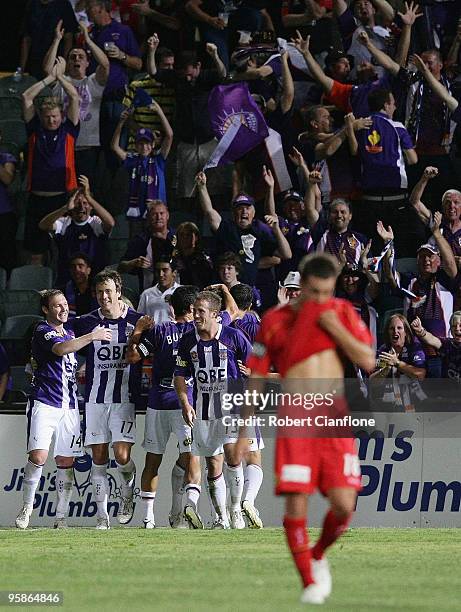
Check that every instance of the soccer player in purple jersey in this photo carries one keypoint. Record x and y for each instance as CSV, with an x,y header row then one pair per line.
x,y
163,415
52,408
210,354
248,322
112,387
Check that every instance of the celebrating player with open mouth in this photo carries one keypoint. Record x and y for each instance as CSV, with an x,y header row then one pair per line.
x,y
112,386
52,408
308,339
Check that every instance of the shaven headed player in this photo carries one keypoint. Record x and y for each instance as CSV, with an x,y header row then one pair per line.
x,y
249,323
164,415
307,339
111,389
52,408
210,355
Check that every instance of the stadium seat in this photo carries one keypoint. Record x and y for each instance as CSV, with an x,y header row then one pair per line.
x,y
117,248
14,130
16,336
10,107
20,380
18,325
406,265
121,229
2,279
19,302
130,281
31,277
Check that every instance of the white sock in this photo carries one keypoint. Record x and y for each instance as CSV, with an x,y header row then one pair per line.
x,y
235,476
192,495
127,472
218,495
148,498
253,481
64,486
177,489
100,488
32,475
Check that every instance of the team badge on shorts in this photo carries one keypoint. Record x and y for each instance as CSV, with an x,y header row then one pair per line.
x,y
187,441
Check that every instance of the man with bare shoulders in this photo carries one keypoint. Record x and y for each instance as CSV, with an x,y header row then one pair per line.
x,y
308,340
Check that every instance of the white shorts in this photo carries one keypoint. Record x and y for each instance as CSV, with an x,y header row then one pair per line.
x,y
44,421
209,438
160,424
106,423
255,440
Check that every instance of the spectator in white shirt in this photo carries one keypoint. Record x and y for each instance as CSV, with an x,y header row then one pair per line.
x,y
155,301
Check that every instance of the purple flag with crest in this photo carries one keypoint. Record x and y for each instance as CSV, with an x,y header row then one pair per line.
x,y
237,122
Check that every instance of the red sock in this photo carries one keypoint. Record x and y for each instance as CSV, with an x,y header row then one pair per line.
x,y
333,527
298,542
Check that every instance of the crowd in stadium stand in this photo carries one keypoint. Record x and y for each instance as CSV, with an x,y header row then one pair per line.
x,y
109,126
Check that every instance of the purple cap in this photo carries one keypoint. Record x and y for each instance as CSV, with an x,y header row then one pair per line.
x,y
432,248
243,199
144,134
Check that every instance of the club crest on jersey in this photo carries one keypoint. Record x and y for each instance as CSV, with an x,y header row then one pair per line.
x,y
352,241
223,354
194,356
129,330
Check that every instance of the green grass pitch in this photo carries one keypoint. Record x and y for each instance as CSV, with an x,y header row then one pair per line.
x,y
211,571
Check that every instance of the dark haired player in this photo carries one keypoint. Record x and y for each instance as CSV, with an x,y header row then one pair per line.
x,y
308,339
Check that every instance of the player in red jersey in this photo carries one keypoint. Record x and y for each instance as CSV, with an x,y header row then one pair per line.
x,y
309,339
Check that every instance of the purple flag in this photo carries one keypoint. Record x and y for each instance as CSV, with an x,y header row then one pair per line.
x,y
237,122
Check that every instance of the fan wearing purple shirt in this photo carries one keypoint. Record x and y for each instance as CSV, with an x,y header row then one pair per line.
x,y
119,43
112,388
449,349
51,165
52,409
164,416
212,355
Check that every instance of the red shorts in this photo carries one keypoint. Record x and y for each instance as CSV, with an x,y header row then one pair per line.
x,y
303,465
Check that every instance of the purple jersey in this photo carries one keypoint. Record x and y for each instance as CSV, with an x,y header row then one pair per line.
x,y
54,381
211,363
249,325
109,378
381,148
165,339
327,240
450,352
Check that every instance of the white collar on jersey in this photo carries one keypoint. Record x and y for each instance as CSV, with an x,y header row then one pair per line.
x,y
218,334
124,311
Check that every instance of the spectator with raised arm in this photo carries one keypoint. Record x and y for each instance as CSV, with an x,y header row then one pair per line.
x,y
431,115
146,167
310,17
244,235
40,20
119,44
432,288
143,116
164,18
51,168
195,138
81,225
361,16
90,90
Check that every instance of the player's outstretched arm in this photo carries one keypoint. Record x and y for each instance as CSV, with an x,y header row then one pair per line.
x,y
72,346
358,352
